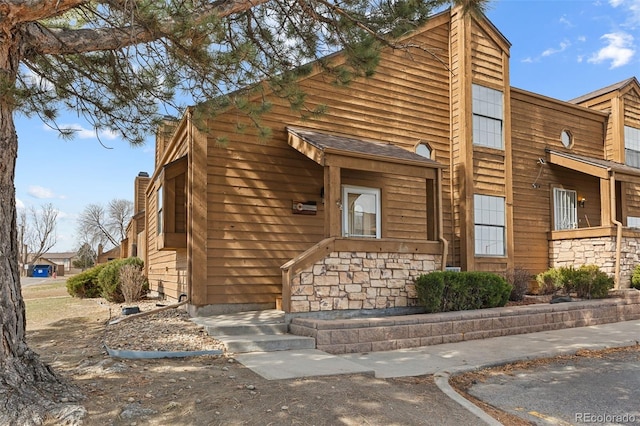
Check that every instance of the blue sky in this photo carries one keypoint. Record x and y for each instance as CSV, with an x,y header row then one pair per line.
x,y
561,49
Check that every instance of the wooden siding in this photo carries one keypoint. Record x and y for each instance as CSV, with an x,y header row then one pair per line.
x,y
252,230
491,167
632,118
537,123
632,109
487,55
489,174
459,141
479,55
140,188
166,269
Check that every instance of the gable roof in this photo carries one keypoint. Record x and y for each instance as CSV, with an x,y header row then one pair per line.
x,y
612,88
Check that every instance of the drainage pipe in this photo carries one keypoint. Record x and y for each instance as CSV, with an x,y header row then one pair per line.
x,y
618,224
440,213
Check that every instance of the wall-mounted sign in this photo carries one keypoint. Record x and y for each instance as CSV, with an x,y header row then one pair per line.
x,y
304,207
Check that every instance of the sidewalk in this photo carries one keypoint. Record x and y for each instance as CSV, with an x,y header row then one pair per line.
x,y
445,358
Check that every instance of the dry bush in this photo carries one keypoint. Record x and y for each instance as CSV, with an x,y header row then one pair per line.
x,y
519,278
131,283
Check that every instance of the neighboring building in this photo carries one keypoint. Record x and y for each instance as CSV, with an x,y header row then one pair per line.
x,y
135,231
61,263
106,256
433,161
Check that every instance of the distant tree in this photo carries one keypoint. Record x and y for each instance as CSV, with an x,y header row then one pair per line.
x,y
40,230
105,225
116,62
86,257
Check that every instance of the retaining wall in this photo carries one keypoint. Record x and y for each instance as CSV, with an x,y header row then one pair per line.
x,y
339,336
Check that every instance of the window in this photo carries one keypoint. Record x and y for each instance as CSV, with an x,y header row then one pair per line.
x,y
567,138
633,222
565,209
360,212
489,216
424,150
487,117
159,203
632,146
172,205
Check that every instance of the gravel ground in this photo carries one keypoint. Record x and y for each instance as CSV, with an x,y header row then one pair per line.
x,y
167,330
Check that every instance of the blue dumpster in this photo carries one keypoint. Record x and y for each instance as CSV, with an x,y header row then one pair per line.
x,y
41,271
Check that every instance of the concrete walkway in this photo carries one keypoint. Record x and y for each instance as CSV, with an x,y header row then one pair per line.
x,y
445,358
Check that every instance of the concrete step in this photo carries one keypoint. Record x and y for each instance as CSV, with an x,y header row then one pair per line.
x,y
246,329
241,323
257,331
266,343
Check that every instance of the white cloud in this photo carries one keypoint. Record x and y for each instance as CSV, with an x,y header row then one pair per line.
x,y
552,51
82,132
582,39
631,11
619,50
527,60
41,192
565,21
19,204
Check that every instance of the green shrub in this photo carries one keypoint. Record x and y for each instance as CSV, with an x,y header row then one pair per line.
x,y
85,284
109,278
550,281
519,279
587,281
635,278
445,291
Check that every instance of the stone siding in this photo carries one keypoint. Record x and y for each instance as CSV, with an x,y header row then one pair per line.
x,y
599,251
358,280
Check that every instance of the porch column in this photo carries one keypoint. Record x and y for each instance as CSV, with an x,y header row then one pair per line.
x,y
332,202
605,202
432,210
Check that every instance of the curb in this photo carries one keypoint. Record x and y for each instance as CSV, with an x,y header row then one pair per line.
x,y
442,381
125,354
442,378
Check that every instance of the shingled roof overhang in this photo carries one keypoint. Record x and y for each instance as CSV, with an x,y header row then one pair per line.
x,y
358,154
603,169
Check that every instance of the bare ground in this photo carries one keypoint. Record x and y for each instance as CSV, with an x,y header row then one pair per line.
x,y
70,335
211,390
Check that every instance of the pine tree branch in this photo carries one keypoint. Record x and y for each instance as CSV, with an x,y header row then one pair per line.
x,y
40,40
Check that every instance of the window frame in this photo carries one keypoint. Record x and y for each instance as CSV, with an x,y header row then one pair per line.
x,y
635,222
632,146
160,210
421,146
484,223
566,134
488,115
352,189
560,216
171,213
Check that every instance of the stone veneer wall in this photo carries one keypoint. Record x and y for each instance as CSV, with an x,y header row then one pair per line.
x,y
358,280
599,251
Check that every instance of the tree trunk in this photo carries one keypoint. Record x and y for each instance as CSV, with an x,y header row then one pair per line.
x,y
30,392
